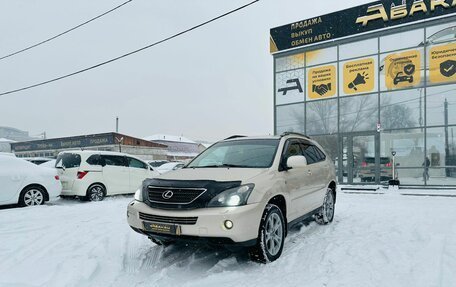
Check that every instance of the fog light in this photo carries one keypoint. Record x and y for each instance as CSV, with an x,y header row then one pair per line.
x,y
228,224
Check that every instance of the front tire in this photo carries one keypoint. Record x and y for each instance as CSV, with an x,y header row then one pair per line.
x,y
271,236
326,213
31,196
96,192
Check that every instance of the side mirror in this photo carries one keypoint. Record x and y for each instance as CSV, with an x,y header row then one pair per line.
x,y
296,161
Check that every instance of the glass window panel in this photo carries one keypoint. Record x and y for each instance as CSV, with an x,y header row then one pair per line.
x,y
321,117
408,145
290,87
358,76
321,56
441,153
441,63
402,40
402,109
290,62
435,106
321,82
441,33
441,146
358,49
290,118
400,70
359,113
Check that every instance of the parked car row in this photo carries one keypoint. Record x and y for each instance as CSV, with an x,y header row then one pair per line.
x,y
88,175
240,192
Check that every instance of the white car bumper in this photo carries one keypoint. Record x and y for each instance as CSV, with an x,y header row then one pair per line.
x,y
209,224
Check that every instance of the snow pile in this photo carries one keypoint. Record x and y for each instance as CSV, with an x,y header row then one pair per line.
x,y
375,240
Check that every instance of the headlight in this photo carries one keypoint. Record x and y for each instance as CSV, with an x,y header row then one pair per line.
x,y
139,195
232,197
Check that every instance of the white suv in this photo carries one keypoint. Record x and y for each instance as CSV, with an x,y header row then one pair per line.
x,y
242,191
92,175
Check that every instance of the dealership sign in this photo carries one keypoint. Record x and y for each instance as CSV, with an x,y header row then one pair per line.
x,y
64,143
357,20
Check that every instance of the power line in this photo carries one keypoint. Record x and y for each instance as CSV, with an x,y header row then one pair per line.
x,y
65,32
130,53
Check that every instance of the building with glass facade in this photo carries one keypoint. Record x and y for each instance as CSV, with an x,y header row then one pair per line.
x,y
371,81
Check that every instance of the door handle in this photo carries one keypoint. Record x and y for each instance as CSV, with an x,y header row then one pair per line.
x,y
309,172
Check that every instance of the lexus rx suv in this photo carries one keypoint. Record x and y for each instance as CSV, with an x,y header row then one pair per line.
x,y
242,191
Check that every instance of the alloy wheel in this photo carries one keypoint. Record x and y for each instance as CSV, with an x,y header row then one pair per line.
x,y
329,206
96,193
33,197
273,234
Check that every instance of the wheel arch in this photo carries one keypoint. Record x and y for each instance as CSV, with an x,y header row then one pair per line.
x,y
332,185
36,185
281,202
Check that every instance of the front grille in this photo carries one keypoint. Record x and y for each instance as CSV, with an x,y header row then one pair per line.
x,y
176,196
166,219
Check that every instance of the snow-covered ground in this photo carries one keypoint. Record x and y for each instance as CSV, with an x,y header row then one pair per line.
x,y
375,240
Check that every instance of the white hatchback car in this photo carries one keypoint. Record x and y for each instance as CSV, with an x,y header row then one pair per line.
x,y
92,175
25,183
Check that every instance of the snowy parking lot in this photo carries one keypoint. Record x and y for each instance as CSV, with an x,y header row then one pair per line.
x,y
375,240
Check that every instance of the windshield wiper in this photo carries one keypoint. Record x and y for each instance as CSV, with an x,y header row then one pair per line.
x,y
219,165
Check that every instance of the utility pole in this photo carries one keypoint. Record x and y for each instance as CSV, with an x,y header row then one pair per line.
x,y
447,147
117,124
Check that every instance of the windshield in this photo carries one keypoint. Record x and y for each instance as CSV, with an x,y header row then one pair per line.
x,y
239,153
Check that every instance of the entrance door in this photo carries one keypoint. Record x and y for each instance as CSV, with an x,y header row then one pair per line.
x,y
359,158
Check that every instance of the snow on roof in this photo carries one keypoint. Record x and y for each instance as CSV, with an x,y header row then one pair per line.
x,y
4,140
182,154
169,138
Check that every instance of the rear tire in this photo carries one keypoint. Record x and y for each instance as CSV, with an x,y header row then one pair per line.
x,y
31,196
271,236
326,213
96,192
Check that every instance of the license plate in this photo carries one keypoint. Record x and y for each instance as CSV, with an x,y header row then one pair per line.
x,y
162,228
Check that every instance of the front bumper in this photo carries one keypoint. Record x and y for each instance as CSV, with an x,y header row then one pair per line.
x,y
209,226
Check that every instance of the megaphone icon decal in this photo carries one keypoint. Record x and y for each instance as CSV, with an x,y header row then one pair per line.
x,y
359,80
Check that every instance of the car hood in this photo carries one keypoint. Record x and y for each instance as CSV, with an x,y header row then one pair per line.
x,y
215,174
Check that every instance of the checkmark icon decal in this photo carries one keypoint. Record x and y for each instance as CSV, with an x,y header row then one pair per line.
x,y
448,68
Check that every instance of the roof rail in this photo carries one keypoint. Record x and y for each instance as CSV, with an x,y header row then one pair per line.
x,y
294,133
235,137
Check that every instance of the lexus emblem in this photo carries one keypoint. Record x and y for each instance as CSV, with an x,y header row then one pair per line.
x,y
167,194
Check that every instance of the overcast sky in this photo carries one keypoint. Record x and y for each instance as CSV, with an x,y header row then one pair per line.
x,y
208,84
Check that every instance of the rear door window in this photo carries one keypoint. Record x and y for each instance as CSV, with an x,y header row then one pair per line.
x,y
94,159
68,160
134,163
114,160
312,153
